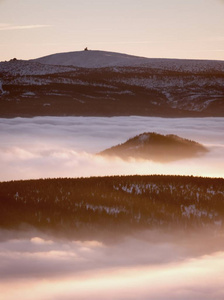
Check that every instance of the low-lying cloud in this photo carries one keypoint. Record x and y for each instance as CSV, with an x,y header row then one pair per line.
x,y
142,267
46,147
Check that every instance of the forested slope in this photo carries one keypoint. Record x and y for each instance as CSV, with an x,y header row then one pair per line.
x,y
112,204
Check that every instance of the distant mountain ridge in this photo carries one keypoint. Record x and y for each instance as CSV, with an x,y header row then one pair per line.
x,y
100,83
91,59
104,59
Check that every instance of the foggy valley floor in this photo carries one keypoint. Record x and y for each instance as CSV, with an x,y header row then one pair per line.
x,y
49,147
112,164
121,237
149,265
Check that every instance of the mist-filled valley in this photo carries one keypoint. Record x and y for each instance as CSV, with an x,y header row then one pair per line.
x,y
119,237
112,150
150,265
50,147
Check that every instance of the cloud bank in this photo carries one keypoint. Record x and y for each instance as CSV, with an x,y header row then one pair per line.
x,y
134,268
46,147
142,267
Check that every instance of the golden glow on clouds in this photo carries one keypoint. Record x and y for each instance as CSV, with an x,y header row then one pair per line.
x,y
151,265
67,146
198,278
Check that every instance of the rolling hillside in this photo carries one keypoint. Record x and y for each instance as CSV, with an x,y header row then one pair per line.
x,y
99,83
112,205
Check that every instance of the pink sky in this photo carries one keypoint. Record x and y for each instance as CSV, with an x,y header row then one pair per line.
x,y
150,28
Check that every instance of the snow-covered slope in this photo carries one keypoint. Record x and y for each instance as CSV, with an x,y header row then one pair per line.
x,y
65,62
102,59
91,59
27,68
92,82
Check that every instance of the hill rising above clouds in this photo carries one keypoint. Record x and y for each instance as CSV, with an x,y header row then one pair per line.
x,y
156,147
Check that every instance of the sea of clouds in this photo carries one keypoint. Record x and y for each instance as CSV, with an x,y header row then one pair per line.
x,y
47,147
148,266
139,267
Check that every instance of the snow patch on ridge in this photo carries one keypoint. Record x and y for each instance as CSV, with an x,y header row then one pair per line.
x,y
25,68
102,59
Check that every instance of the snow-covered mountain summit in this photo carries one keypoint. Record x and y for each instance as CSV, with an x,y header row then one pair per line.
x,y
102,59
91,59
100,83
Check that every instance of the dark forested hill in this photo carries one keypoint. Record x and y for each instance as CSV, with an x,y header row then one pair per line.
x,y
112,204
157,147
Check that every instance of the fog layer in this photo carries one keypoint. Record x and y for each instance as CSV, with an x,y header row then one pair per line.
x,y
140,267
65,146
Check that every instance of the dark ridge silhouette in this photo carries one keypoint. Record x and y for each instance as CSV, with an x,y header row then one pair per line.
x,y
90,207
156,147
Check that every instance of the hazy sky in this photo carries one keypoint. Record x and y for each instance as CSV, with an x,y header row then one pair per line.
x,y
151,28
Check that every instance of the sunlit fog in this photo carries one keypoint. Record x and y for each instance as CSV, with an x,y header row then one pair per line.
x,y
66,147
139,267
43,147
143,264
82,84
